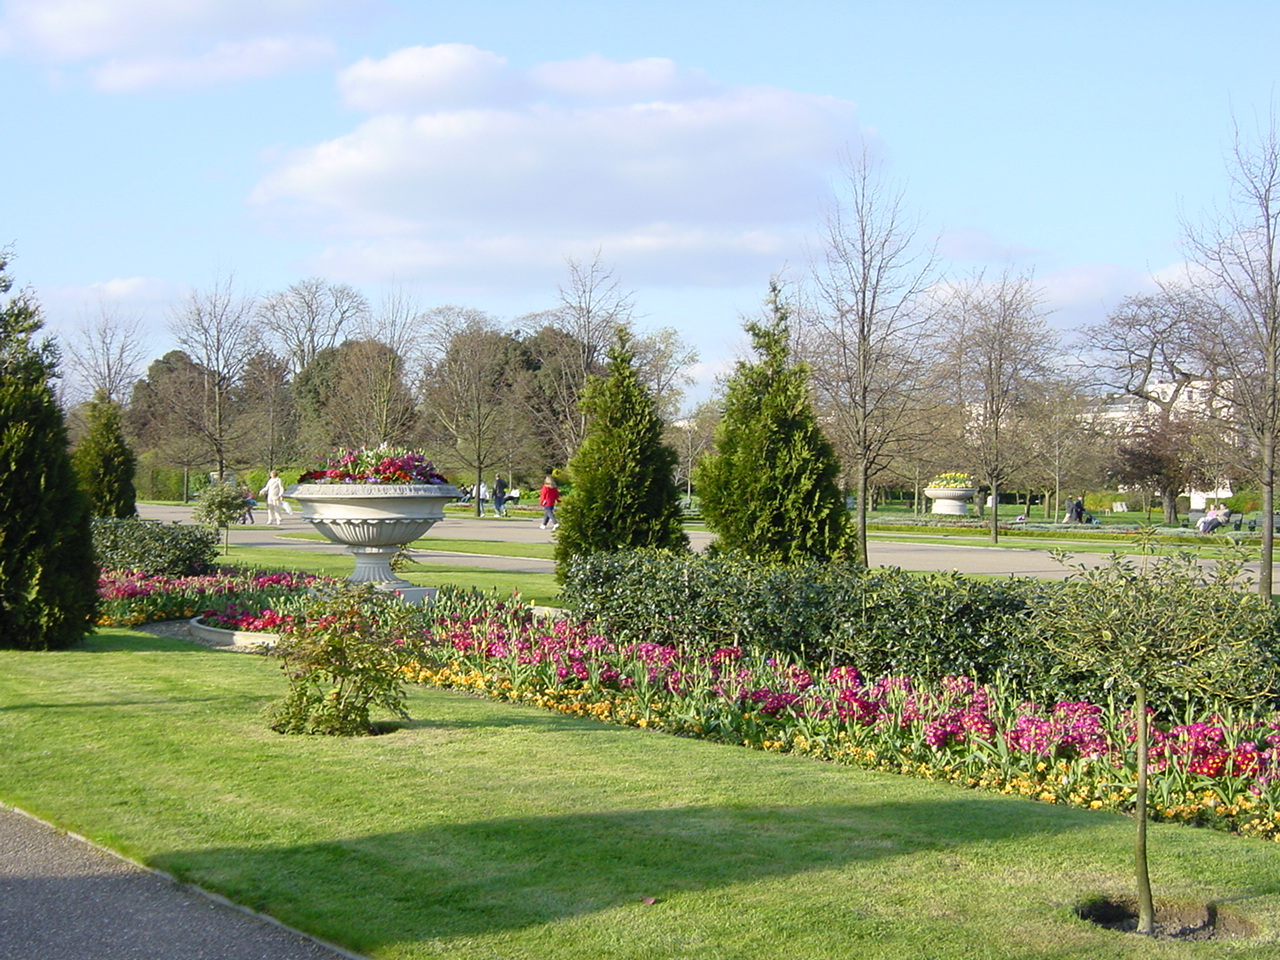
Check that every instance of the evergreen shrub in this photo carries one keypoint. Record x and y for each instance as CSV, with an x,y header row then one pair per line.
x,y
881,621
159,549
48,581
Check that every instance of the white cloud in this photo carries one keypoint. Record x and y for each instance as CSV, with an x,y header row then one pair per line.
x,y
128,44
659,167
118,289
446,75
263,57
594,78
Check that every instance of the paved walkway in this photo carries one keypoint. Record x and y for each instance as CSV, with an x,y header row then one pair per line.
x,y
62,898
907,554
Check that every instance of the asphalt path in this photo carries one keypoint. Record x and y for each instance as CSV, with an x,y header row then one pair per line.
x,y
907,553
62,898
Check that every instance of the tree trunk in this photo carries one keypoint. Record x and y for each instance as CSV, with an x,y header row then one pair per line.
x,y
860,513
995,513
1146,906
1169,498
1268,515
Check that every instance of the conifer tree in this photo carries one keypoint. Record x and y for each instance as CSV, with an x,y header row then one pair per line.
x,y
770,488
48,578
104,463
624,493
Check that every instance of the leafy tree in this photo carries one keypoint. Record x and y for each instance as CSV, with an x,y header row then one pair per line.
x,y
104,463
770,489
1161,453
48,579
218,506
267,412
1130,623
355,395
624,492
166,413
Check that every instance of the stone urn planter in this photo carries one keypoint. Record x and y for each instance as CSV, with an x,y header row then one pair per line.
x,y
950,500
374,521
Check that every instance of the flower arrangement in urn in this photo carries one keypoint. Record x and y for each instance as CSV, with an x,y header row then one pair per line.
x,y
377,465
951,481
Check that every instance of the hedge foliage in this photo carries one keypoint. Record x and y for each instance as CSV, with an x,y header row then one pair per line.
x,y
172,549
882,621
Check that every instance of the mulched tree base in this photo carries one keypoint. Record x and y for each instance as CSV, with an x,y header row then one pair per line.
x,y
1174,920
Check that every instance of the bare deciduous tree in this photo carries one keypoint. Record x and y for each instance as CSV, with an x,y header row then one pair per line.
x,y
107,354
863,338
216,329
592,307
999,366
310,316
662,362
1237,256
469,389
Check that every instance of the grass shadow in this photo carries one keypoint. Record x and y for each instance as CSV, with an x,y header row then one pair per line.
x,y
455,881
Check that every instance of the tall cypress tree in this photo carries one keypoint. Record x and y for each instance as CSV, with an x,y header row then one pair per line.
x,y
624,492
104,463
770,489
48,578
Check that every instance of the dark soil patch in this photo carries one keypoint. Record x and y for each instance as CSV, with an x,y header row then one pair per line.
x,y
1174,920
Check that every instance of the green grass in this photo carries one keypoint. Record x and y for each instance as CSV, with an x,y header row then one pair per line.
x,y
487,548
483,830
1046,542
539,588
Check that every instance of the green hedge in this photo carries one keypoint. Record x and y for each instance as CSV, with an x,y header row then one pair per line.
x,y
172,549
881,621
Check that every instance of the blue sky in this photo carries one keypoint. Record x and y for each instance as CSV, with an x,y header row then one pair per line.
x,y
463,151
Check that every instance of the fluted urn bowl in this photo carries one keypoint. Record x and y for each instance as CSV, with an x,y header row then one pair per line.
x,y
951,500
373,520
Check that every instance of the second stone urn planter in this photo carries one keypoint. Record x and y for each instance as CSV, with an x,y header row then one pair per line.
x,y
953,501
374,521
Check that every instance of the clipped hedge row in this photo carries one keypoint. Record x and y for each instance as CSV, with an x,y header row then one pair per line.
x,y
885,622
172,549
881,621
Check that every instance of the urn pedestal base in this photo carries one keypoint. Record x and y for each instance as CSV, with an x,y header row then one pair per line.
x,y
951,501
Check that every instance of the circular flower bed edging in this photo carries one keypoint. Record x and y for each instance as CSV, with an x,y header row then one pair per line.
x,y
218,637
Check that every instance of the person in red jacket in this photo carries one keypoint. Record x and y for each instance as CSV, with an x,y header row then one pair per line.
x,y
549,496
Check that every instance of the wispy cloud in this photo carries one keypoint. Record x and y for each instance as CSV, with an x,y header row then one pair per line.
x,y
127,45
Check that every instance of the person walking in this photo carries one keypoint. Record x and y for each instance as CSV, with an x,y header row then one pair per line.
x,y
274,492
249,503
499,496
549,496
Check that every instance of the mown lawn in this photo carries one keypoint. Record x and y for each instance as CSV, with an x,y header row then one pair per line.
x,y
539,588
483,830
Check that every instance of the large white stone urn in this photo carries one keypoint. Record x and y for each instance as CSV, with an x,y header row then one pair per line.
x,y
373,520
951,500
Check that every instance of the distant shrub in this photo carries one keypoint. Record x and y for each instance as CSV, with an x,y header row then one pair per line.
x,y
172,549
